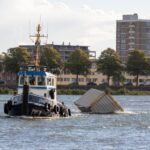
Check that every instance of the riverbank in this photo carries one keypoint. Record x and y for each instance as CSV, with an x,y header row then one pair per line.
x,y
5,90
81,91
114,90
122,91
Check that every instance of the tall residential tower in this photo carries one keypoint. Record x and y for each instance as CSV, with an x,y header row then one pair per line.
x,y
132,33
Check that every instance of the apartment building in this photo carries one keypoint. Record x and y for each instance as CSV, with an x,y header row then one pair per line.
x,y
93,76
65,49
132,33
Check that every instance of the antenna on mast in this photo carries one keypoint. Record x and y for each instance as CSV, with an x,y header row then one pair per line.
x,y
37,41
46,34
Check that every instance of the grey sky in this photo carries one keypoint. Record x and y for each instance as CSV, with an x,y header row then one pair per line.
x,y
80,22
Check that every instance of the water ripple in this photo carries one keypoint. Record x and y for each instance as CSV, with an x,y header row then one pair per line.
x,y
122,131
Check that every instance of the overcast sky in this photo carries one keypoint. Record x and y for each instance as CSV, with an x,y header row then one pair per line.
x,y
80,22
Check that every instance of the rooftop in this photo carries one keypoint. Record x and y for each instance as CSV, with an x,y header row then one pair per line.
x,y
132,18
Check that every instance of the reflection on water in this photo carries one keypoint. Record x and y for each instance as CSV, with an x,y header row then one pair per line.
x,y
121,131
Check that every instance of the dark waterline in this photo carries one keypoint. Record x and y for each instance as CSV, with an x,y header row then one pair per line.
x,y
125,131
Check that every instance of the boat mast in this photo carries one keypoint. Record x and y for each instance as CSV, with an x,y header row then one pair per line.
x,y
37,42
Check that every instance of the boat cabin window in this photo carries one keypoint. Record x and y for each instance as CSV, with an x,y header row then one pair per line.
x,y
21,80
50,81
41,80
31,80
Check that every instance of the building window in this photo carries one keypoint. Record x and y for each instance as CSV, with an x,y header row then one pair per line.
x,y
93,66
123,41
66,79
73,79
147,24
147,47
94,79
123,46
123,53
89,80
141,80
123,36
60,79
147,29
81,79
146,35
148,52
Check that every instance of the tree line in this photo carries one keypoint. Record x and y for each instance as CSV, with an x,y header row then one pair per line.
x,y
78,63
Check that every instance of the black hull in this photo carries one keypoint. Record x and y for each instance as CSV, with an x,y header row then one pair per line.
x,y
33,105
36,111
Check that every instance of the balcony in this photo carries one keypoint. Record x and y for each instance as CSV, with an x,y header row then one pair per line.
x,y
131,26
131,31
131,37
131,49
131,43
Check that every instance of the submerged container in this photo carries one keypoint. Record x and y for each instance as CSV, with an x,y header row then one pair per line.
x,y
96,101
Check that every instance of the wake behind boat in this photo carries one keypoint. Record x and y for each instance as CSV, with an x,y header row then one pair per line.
x,y
37,93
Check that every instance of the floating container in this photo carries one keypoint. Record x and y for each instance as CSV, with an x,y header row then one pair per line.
x,y
96,101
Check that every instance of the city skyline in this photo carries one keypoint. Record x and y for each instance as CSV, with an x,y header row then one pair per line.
x,y
84,22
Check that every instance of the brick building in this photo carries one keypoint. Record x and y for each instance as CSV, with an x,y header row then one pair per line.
x,y
132,33
64,50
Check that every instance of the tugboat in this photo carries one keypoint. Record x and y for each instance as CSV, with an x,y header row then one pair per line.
x,y
37,93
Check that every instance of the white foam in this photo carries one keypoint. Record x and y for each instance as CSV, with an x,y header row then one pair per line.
x,y
127,112
31,117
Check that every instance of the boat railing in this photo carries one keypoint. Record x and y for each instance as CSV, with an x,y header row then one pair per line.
x,y
32,68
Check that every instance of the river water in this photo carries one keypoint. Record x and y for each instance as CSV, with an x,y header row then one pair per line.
x,y
125,131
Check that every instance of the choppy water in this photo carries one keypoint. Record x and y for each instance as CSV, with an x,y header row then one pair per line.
x,y
125,131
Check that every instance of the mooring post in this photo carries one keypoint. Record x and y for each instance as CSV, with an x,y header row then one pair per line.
x,y
25,99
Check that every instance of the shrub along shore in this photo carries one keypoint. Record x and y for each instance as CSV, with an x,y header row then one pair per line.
x,y
80,90
5,90
122,91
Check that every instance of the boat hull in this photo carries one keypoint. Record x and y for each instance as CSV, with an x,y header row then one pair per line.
x,y
35,108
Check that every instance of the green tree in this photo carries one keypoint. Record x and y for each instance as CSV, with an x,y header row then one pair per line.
x,y
148,67
118,78
1,62
14,58
137,64
78,63
109,63
50,57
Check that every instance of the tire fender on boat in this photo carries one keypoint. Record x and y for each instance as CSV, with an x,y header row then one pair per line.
x,y
47,107
69,112
56,109
9,105
64,112
61,111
